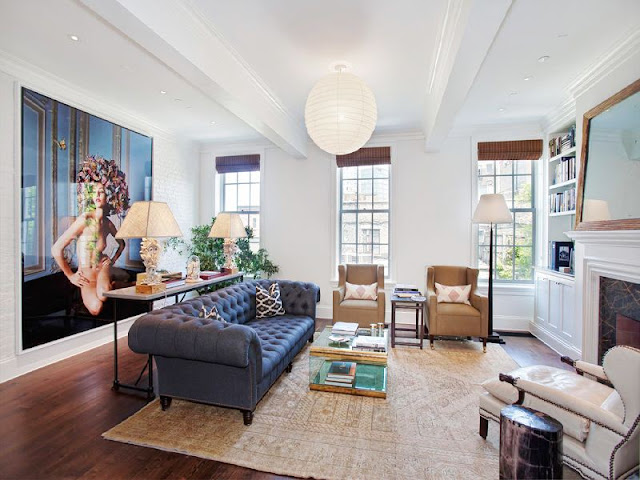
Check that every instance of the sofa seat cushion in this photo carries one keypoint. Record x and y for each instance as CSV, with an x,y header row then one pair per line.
x,y
563,380
457,309
278,336
366,304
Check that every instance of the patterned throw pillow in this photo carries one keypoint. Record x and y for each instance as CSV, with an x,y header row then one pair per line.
x,y
213,313
455,294
361,292
268,302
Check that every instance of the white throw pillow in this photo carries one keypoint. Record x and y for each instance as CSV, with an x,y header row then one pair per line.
x,y
453,294
361,292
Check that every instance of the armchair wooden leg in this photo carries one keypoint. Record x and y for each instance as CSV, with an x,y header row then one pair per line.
x,y
431,342
165,402
484,427
289,368
484,344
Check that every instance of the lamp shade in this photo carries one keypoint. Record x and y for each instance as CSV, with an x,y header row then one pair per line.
x,y
228,225
340,113
492,208
149,220
595,210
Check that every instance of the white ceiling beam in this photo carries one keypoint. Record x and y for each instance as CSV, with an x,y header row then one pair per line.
x,y
177,35
468,31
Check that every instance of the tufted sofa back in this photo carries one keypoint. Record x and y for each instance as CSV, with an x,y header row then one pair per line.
x,y
237,303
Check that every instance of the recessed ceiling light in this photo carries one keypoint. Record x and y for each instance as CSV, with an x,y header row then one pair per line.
x,y
501,109
526,79
162,92
75,38
213,123
177,99
512,93
544,58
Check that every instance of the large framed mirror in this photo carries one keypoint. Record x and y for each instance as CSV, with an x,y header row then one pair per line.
x,y
609,183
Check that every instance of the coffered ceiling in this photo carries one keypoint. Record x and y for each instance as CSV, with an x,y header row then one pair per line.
x,y
241,70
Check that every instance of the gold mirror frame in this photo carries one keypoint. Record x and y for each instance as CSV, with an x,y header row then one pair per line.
x,y
622,224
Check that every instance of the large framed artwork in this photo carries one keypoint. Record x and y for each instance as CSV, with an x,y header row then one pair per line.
x,y
80,174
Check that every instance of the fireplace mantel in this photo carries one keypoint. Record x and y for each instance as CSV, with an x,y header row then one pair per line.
x,y
614,254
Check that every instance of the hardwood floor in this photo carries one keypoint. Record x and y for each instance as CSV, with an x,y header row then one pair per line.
x,y
52,419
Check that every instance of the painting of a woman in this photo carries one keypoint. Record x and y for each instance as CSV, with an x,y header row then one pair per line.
x,y
102,191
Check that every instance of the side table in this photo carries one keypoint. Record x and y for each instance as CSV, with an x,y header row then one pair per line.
x,y
398,303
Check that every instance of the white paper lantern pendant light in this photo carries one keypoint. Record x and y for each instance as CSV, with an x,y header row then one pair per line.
x,y
340,113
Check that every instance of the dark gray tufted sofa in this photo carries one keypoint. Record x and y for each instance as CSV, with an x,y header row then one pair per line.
x,y
228,364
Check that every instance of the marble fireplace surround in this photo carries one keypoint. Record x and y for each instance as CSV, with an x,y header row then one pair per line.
x,y
614,254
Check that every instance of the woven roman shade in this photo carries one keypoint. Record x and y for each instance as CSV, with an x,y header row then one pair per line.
x,y
238,163
514,150
365,156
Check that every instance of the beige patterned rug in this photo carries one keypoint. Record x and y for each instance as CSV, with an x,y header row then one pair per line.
x,y
427,427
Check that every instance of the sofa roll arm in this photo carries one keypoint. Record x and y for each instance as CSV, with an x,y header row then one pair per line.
x,y
166,334
572,404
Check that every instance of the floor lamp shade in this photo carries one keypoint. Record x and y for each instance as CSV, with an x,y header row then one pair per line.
x,y
492,208
149,220
340,113
228,225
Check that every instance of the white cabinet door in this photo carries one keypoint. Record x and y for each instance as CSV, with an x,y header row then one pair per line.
x,y
542,300
555,306
568,317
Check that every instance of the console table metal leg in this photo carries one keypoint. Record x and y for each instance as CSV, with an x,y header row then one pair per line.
x,y
417,312
393,326
116,384
421,324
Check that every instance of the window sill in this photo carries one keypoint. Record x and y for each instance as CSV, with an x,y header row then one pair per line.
x,y
387,283
523,289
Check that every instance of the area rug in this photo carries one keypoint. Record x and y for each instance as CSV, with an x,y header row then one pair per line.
x,y
426,428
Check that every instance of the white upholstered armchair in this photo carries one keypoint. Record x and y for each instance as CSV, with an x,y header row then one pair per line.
x,y
600,419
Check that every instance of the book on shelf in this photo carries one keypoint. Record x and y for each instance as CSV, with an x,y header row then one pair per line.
x,y
344,328
405,287
406,294
338,384
338,379
562,201
168,275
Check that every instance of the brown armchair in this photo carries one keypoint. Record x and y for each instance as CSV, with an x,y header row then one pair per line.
x,y
457,319
363,312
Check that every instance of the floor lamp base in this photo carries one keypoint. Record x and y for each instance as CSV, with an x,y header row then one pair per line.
x,y
495,338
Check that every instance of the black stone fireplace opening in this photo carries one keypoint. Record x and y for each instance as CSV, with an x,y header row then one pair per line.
x,y
619,316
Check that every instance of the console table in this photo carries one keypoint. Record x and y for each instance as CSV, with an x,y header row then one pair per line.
x,y
129,294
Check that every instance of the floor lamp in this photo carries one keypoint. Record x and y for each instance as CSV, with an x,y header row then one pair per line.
x,y
492,209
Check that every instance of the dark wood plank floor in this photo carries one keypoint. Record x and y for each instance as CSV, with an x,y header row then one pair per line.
x,y
51,421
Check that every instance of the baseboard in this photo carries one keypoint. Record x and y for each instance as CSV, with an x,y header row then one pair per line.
x,y
508,333
39,357
555,343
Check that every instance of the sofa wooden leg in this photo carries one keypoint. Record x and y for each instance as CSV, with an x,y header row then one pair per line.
x,y
165,402
289,367
484,427
431,342
484,344
247,416
311,339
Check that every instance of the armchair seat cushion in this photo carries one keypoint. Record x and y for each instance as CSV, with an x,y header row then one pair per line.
x,y
278,338
562,380
362,304
456,309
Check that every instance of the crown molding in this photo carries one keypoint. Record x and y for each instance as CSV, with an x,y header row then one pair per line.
x,y
36,78
618,54
561,116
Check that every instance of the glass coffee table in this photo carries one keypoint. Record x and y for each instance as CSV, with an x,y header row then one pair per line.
x,y
370,366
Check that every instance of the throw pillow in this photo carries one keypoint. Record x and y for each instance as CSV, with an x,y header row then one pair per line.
x,y
361,292
213,313
268,302
453,294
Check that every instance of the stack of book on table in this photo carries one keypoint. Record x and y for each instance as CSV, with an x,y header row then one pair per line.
x,y
403,290
209,274
344,328
365,343
341,374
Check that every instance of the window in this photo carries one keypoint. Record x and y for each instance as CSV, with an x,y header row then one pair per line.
x,y
364,214
513,242
241,194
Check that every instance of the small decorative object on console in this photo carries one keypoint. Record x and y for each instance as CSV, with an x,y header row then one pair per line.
x,y
193,269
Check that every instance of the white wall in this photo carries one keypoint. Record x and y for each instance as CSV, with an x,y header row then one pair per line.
x,y
432,204
175,173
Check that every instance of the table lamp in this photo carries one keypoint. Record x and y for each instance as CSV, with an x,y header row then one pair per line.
x,y
492,208
149,221
228,226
